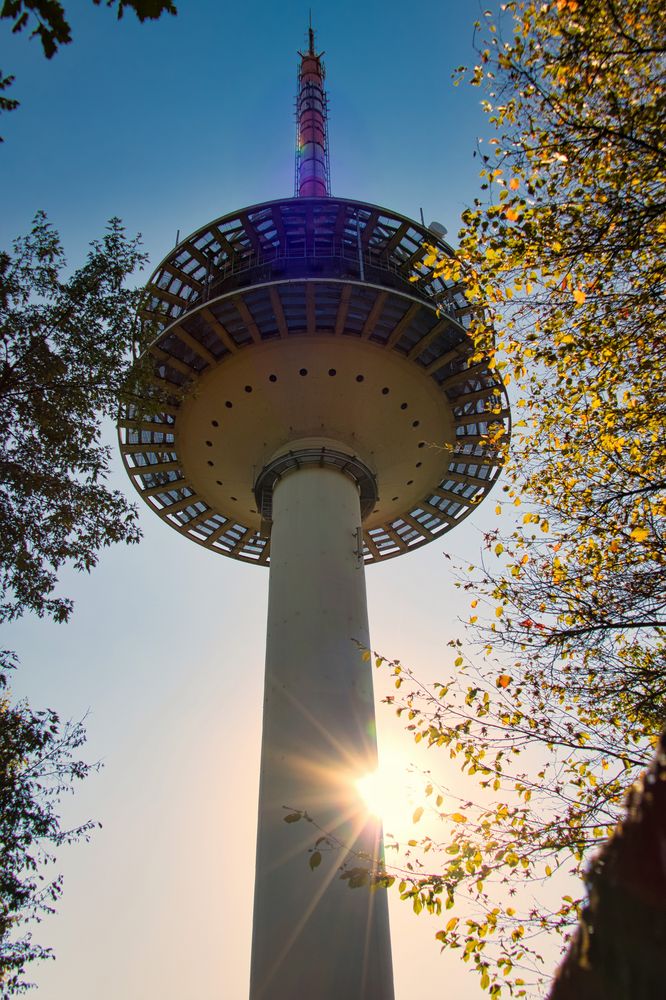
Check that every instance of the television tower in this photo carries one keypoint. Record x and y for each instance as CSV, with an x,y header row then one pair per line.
x,y
313,406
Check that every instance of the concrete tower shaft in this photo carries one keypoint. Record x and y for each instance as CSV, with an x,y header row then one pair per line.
x,y
312,163
314,937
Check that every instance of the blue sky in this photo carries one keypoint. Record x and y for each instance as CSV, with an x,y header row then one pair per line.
x,y
169,125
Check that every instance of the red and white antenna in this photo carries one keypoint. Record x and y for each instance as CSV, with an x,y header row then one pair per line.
x,y
312,179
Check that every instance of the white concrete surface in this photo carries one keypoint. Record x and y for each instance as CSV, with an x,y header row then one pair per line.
x,y
314,938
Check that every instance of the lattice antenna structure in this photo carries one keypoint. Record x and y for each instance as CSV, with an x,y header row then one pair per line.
x,y
316,404
312,158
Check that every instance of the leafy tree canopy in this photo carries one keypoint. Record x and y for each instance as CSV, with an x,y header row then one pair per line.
x,y
563,263
66,347
67,342
38,764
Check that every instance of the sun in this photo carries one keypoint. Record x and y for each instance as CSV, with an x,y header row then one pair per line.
x,y
391,793
375,793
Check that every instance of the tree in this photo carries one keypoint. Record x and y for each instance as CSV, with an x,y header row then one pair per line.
x,y
54,30
562,262
67,348
569,254
38,765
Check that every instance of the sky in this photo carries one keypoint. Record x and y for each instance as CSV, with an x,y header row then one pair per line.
x,y
169,125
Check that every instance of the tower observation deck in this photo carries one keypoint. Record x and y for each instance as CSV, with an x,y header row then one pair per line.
x,y
313,405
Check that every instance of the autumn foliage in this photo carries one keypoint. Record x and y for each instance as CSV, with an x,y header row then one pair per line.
x,y
558,708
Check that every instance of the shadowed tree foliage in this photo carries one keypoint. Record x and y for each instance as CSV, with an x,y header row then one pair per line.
x,y
38,765
66,347
67,341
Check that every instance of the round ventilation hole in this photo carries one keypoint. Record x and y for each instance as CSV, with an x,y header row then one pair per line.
x,y
272,378
403,406
421,444
248,388
385,391
219,482
210,463
332,372
360,378
209,444
415,423
303,371
419,464
214,423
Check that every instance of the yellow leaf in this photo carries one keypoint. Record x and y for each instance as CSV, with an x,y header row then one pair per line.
x,y
458,818
452,924
579,296
503,680
639,534
514,183
499,549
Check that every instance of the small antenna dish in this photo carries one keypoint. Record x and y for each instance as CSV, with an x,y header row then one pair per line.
x,y
438,229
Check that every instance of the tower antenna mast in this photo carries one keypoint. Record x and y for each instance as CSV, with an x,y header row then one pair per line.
x,y
312,175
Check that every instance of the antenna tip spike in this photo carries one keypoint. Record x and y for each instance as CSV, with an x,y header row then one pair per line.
x,y
311,33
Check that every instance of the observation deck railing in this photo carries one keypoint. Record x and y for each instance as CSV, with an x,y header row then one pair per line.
x,y
338,260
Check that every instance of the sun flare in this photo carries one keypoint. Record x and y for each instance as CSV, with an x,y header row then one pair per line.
x,y
375,794
390,793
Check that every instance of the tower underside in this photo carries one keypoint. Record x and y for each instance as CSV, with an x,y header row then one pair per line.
x,y
245,321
